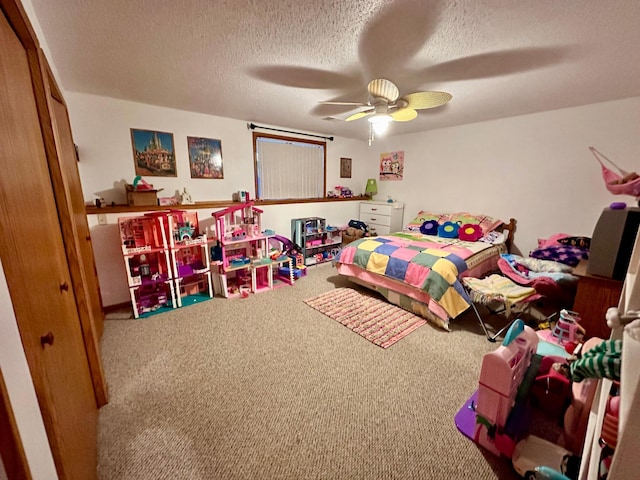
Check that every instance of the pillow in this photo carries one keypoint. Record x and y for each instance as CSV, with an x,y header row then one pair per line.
x,y
429,227
552,240
448,230
580,242
537,265
471,232
494,238
561,253
486,223
415,224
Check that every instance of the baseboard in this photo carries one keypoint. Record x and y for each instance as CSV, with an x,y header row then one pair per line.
x,y
115,307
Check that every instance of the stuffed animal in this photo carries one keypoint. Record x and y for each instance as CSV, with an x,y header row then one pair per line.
x,y
351,234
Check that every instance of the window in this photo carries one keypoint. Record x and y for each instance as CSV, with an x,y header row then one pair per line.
x,y
288,168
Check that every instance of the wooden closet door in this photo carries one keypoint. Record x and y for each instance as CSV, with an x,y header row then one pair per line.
x,y
35,265
73,219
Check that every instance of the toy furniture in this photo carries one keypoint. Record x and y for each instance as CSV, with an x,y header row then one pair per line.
x,y
244,263
512,378
496,416
319,242
567,329
501,377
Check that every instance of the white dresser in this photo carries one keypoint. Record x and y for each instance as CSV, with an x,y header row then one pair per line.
x,y
382,217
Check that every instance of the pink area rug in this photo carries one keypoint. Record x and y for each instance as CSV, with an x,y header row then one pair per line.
x,y
373,318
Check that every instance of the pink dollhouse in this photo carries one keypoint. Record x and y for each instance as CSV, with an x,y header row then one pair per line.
x,y
245,264
166,260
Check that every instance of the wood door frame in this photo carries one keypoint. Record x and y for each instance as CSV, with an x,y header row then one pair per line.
x,y
12,451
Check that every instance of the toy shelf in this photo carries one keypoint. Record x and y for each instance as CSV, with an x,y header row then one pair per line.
x,y
319,242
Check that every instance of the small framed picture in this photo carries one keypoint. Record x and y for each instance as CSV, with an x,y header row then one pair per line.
x,y
345,167
153,153
205,157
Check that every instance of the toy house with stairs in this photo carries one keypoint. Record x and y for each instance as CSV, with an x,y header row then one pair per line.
x,y
243,262
166,261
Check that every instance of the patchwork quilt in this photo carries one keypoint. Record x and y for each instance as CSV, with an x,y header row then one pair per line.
x,y
429,263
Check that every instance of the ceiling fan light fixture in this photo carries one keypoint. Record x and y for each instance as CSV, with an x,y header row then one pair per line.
x,y
380,122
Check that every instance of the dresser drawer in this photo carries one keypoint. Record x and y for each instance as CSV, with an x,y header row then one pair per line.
x,y
375,209
375,218
375,229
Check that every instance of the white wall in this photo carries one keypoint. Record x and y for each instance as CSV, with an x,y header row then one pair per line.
x,y
535,168
101,129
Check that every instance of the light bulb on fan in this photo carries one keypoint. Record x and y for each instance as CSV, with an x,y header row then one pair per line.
x,y
380,122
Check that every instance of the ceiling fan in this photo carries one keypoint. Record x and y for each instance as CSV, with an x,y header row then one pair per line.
x,y
386,105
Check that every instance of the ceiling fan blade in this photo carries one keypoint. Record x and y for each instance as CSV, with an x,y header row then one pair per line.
x,y
355,104
383,88
422,100
404,114
358,115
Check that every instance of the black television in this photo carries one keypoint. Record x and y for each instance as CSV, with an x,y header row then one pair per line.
x,y
612,242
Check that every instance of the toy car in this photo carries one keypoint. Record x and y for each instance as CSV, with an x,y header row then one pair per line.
x,y
535,452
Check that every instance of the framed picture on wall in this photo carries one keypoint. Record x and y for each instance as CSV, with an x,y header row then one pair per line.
x,y
153,153
205,157
392,165
345,167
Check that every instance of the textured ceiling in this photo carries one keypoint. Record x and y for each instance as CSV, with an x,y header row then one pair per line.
x,y
272,61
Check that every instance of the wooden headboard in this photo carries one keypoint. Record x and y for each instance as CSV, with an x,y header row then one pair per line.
x,y
509,229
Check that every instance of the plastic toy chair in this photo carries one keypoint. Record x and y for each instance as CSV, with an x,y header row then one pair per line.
x,y
567,329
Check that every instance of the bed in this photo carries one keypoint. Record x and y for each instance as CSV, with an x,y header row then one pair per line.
x,y
421,272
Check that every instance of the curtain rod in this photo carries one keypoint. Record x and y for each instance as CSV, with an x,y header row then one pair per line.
x,y
252,126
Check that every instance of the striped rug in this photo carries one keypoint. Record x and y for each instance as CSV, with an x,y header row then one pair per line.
x,y
373,318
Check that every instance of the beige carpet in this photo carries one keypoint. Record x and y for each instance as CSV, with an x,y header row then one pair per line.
x,y
267,388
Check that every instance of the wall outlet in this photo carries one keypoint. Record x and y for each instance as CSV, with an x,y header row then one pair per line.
x,y
102,219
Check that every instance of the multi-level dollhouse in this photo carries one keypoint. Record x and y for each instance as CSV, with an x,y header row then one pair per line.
x,y
244,261
166,260
189,249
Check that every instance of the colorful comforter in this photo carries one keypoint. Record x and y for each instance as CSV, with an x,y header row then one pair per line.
x,y
423,263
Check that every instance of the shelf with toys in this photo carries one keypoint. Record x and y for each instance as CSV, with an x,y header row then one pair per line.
x,y
319,242
243,261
